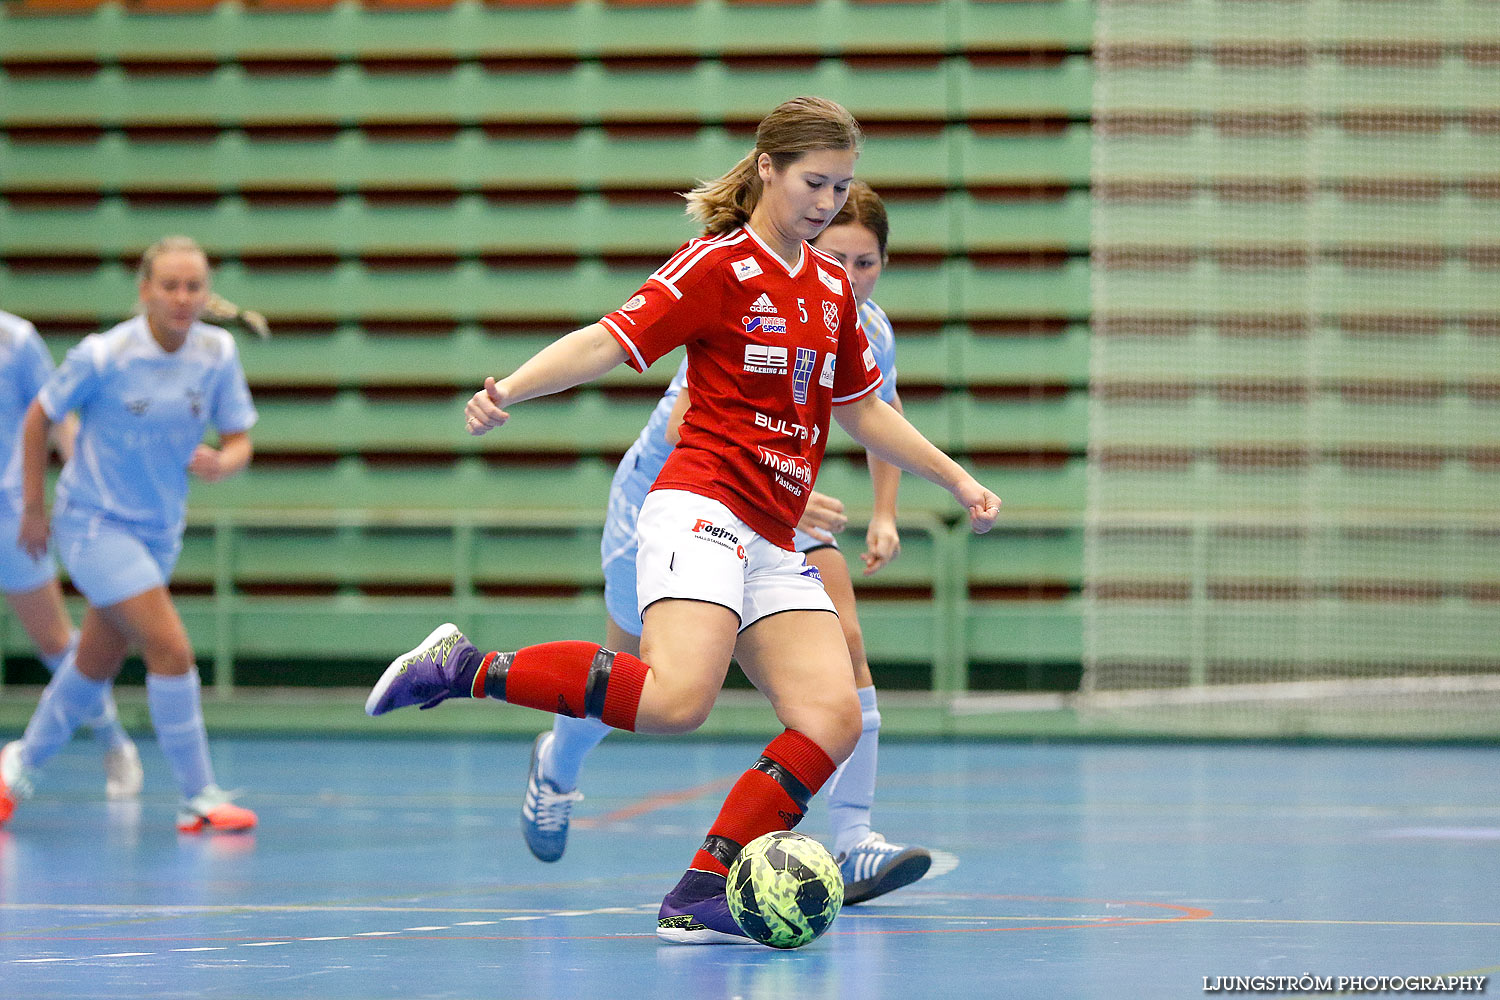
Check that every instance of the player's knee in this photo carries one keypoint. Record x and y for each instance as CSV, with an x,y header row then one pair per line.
x,y
171,655
682,714
837,724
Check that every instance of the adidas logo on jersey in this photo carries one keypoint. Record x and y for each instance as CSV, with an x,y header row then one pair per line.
x,y
763,304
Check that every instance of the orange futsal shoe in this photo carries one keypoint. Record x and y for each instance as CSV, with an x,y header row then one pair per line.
x,y
15,780
211,810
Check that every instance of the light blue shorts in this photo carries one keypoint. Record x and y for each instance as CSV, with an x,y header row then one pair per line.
x,y
618,549
19,573
110,561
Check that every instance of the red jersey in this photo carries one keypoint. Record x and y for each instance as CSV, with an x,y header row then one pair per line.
x,y
771,349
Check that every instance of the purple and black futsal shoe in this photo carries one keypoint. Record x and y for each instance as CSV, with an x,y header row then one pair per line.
x,y
442,666
697,912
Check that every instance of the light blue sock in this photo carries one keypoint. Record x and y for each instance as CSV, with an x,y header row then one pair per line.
x,y
572,739
106,725
69,699
177,714
851,790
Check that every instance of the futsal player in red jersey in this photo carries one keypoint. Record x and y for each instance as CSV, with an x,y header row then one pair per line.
x,y
717,575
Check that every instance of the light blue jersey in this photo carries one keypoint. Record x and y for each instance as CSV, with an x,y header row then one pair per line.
x,y
25,367
141,413
882,344
643,462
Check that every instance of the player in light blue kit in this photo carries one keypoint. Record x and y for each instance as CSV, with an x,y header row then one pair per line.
x,y
29,582
872,867
145,392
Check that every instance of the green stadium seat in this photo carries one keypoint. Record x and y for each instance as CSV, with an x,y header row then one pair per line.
x,y
1041,85
1043,422
1019,358
1041,154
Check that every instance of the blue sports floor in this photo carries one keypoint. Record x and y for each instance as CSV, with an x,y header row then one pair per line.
x,y
395,868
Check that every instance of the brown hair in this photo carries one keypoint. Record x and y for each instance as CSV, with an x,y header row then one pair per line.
x,y
798,126
167,244
864,208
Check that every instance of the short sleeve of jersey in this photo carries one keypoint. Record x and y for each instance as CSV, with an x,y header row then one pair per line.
x,y
75,380
233,410
856,373
34,366
664,315
882,338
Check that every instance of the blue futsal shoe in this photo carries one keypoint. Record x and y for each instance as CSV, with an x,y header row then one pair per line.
x,y
443,666
697,912
873,868
546,809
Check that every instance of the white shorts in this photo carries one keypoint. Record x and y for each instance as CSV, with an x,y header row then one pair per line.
x,y
19,573
695,548
110,561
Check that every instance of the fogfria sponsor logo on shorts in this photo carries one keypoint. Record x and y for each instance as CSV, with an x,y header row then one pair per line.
x,y
745,269
794,466
719,535
762,359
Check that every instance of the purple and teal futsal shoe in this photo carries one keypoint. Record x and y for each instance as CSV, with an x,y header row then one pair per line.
x,y
697,912
444,665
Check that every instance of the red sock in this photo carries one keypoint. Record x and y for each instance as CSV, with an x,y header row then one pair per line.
x,y
575,679
772,795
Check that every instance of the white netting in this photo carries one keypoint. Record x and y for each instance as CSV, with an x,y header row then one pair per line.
x,y
1295,405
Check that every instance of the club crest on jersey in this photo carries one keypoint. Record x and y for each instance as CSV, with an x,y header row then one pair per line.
x,y
764,324
835,285
826,379
745,269
763,304
831,316
762,359
807,359
634,303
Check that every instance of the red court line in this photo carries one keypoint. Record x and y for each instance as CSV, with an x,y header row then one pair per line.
x,y
653,803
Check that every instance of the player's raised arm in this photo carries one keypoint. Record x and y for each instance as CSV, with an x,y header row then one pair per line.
x,y
578,357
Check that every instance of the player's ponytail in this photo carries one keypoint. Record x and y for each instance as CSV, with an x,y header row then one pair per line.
x,y
798,126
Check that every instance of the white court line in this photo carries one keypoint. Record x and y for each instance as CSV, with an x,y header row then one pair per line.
x,y
475,923
426,928
263,944
213,948
128,954
331,937
376,933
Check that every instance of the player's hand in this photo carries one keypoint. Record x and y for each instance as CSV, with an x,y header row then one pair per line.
x,y
207,464
485,409
982,505
883,545
34,533
823,517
